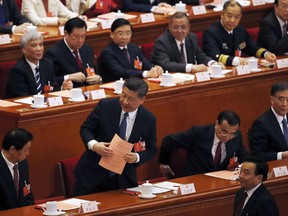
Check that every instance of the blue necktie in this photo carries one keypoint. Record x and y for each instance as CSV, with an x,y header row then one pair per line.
x,y
38,82
2,16
123,126
285,130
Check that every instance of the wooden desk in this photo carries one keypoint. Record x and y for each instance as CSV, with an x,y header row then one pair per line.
x,y
143,33
213,196
56,129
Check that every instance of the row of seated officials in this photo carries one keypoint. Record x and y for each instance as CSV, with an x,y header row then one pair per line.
x,y
175,50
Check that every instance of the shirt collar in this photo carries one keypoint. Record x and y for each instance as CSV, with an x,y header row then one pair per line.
x,y
251,191
71,50
281,22
229,32
278,117
32,65
132,115
9,164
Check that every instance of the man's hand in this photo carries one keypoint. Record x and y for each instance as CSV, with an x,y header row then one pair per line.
x,y
166,171
67,85
95,79
130,157
102,149
243,61
199,68
154,72
164,4
77,77
285,154
62,21
20,29
270,57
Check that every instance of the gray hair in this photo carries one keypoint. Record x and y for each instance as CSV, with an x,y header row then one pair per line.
x,y
29,36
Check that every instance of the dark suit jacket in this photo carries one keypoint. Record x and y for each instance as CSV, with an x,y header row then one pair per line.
x,y
138,5
266,137
12,14
65,62
116,65
102,124
198,141
261,203
216,43
8,197
270,35
166,53
21,79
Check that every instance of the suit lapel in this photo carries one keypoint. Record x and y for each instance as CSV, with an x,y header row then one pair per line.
x,y
68,55
251,202
30,75
209,141
277,26
134,137
121,56
174,48
276,128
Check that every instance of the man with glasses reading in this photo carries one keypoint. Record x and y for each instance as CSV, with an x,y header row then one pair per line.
x,y
268,136
209,147
121,59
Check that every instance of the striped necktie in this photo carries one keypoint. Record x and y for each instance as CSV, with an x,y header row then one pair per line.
x,y
38,82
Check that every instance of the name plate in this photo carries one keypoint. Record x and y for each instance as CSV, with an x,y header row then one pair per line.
x,y
258,2
55,101
282,63
280,171
4,39
242,69
147,17
186,189
88,207
197,10
202,76
98,94
106,24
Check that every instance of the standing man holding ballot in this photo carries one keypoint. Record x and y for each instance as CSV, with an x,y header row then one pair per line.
x,y
126,117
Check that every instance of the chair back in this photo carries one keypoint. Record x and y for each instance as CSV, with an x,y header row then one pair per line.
x,y
66,168
147,50
177,161
5,68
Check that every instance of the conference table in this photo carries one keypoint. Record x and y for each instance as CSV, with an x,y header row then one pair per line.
x,y
142,32
213,196
56,129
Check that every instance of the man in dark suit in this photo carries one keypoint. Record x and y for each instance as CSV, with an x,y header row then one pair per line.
x,y
14,175
273,29
33,73
268,138
225,40
253,198
177,50
154,6
123,59
99,129
11,20
73,59
209,147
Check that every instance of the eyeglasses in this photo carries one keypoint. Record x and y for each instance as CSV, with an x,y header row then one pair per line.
x,y
226,134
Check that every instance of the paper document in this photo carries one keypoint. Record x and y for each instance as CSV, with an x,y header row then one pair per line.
x,y
108,86
4,103
27,100
168,185
176,77
224,174
155,190
64,93
112,15
116,162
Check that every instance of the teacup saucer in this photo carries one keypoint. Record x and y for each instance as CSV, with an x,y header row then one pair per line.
x,y
256,70
77,100
35,107
54,214
171,84
116,92
148,197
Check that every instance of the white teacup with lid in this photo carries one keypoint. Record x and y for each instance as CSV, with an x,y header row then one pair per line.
x,y
253,64
180,7
119,86
76,94
147,189
167,79
119,14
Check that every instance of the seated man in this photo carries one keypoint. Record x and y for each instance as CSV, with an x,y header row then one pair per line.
x,y
146,6
14,175
176,50
273,29
268,136
11,20
92,8
47,13
97,131
209,148
225,40
33,73
72,57
253,198
120,59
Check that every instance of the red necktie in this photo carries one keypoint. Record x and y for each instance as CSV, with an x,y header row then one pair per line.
x,y
79,63
239,208
16,178
217,158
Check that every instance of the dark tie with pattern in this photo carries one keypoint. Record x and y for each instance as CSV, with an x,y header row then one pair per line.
x,y
239,207
284,28
79,63
123,126
16,178
38,81
125,51
217,158
182,55
285,130
2,16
